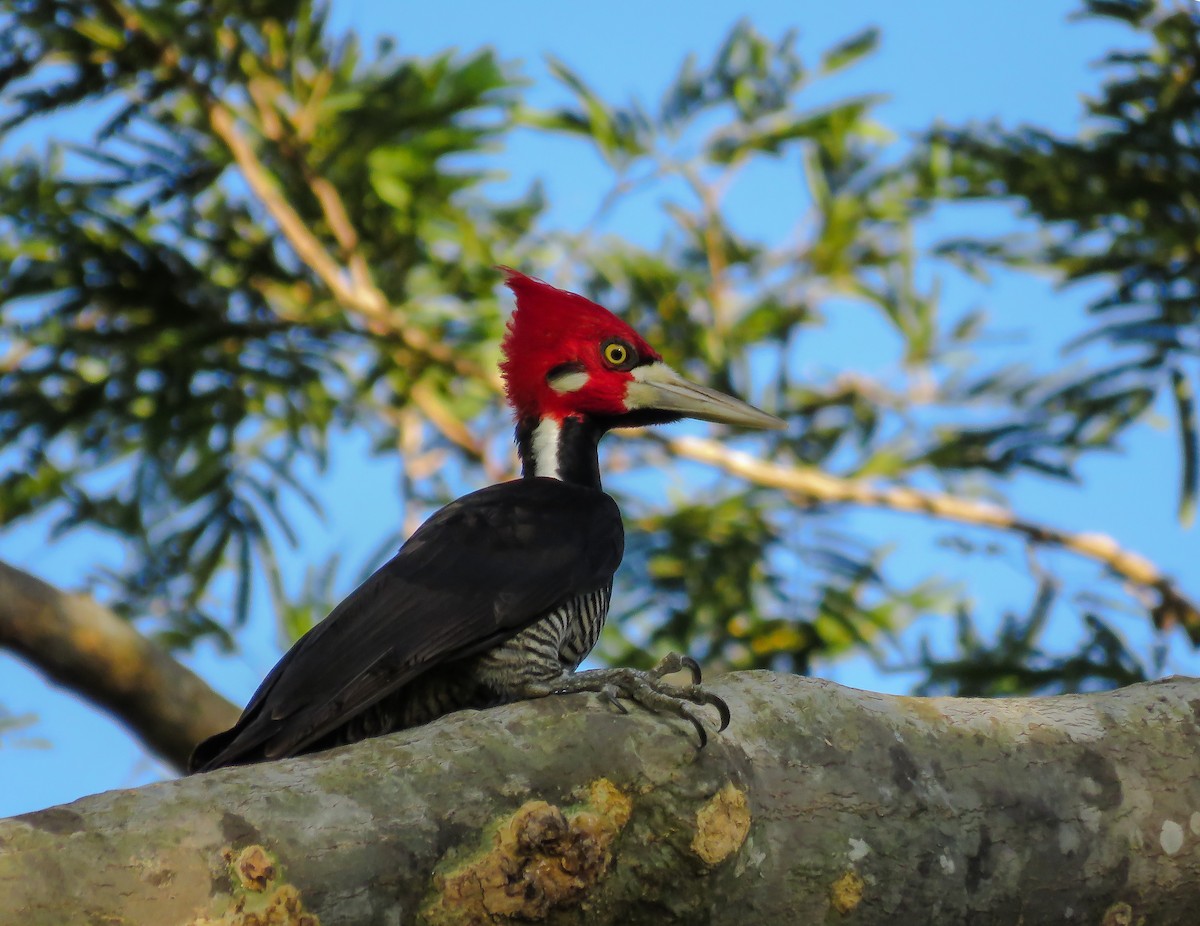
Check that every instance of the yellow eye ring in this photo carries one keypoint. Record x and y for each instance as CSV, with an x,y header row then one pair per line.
x,y
615,353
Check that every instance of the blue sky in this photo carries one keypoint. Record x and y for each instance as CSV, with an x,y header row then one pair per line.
x,y
941,59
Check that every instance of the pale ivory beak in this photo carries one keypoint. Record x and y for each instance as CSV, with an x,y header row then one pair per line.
x,y
657,387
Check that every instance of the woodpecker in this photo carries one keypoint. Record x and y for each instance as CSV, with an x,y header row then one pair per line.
x,y
500,595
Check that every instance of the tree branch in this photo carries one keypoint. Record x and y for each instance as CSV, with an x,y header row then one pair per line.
x,y
354,288
87,649
361,296
1169,605
820,802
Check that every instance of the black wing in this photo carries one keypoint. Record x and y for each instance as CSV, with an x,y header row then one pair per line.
x,y
473,575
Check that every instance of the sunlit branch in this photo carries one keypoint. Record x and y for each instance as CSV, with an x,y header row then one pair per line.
x,y
353,288
332,207
86,648
1168,605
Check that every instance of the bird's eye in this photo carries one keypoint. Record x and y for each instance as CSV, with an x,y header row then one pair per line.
x,y
618,355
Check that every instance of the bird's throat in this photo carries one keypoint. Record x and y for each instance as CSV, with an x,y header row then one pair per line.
x,y
564,450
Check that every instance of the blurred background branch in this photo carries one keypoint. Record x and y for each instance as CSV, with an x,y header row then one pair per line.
x,y
1169,608
90,651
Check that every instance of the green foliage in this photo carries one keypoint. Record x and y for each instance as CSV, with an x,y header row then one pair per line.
x,y
717,580
699,575
172,400
171,356
1017,662
1118,205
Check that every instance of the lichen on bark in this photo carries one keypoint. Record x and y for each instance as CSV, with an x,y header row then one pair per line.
x,y
721,825
535,860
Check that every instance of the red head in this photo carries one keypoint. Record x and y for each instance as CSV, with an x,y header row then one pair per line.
x,y
565,355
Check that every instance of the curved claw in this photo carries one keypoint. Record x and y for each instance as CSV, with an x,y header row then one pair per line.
x,y
700,696
695,721
611,694
687,662
722,709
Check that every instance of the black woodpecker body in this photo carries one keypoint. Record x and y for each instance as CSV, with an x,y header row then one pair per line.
x,y
501,594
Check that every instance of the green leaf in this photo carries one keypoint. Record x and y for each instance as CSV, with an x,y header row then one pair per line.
x,y
850,50
1189,441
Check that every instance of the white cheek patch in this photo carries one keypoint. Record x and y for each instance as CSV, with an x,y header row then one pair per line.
x,y
568,382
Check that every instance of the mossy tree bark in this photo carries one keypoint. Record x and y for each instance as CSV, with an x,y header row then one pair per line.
x,y
819,804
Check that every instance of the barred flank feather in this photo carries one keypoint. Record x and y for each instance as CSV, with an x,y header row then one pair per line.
x,y
543,651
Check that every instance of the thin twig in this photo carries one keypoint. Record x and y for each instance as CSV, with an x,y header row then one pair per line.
x,y
332,206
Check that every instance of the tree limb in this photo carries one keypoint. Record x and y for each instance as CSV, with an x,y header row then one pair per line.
x,y
86,648
351,289
1169,605
820,802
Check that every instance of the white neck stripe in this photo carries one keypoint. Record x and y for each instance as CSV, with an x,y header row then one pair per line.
x,y
545,448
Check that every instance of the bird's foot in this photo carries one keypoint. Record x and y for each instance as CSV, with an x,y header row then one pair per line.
x,y
648,689
674,662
